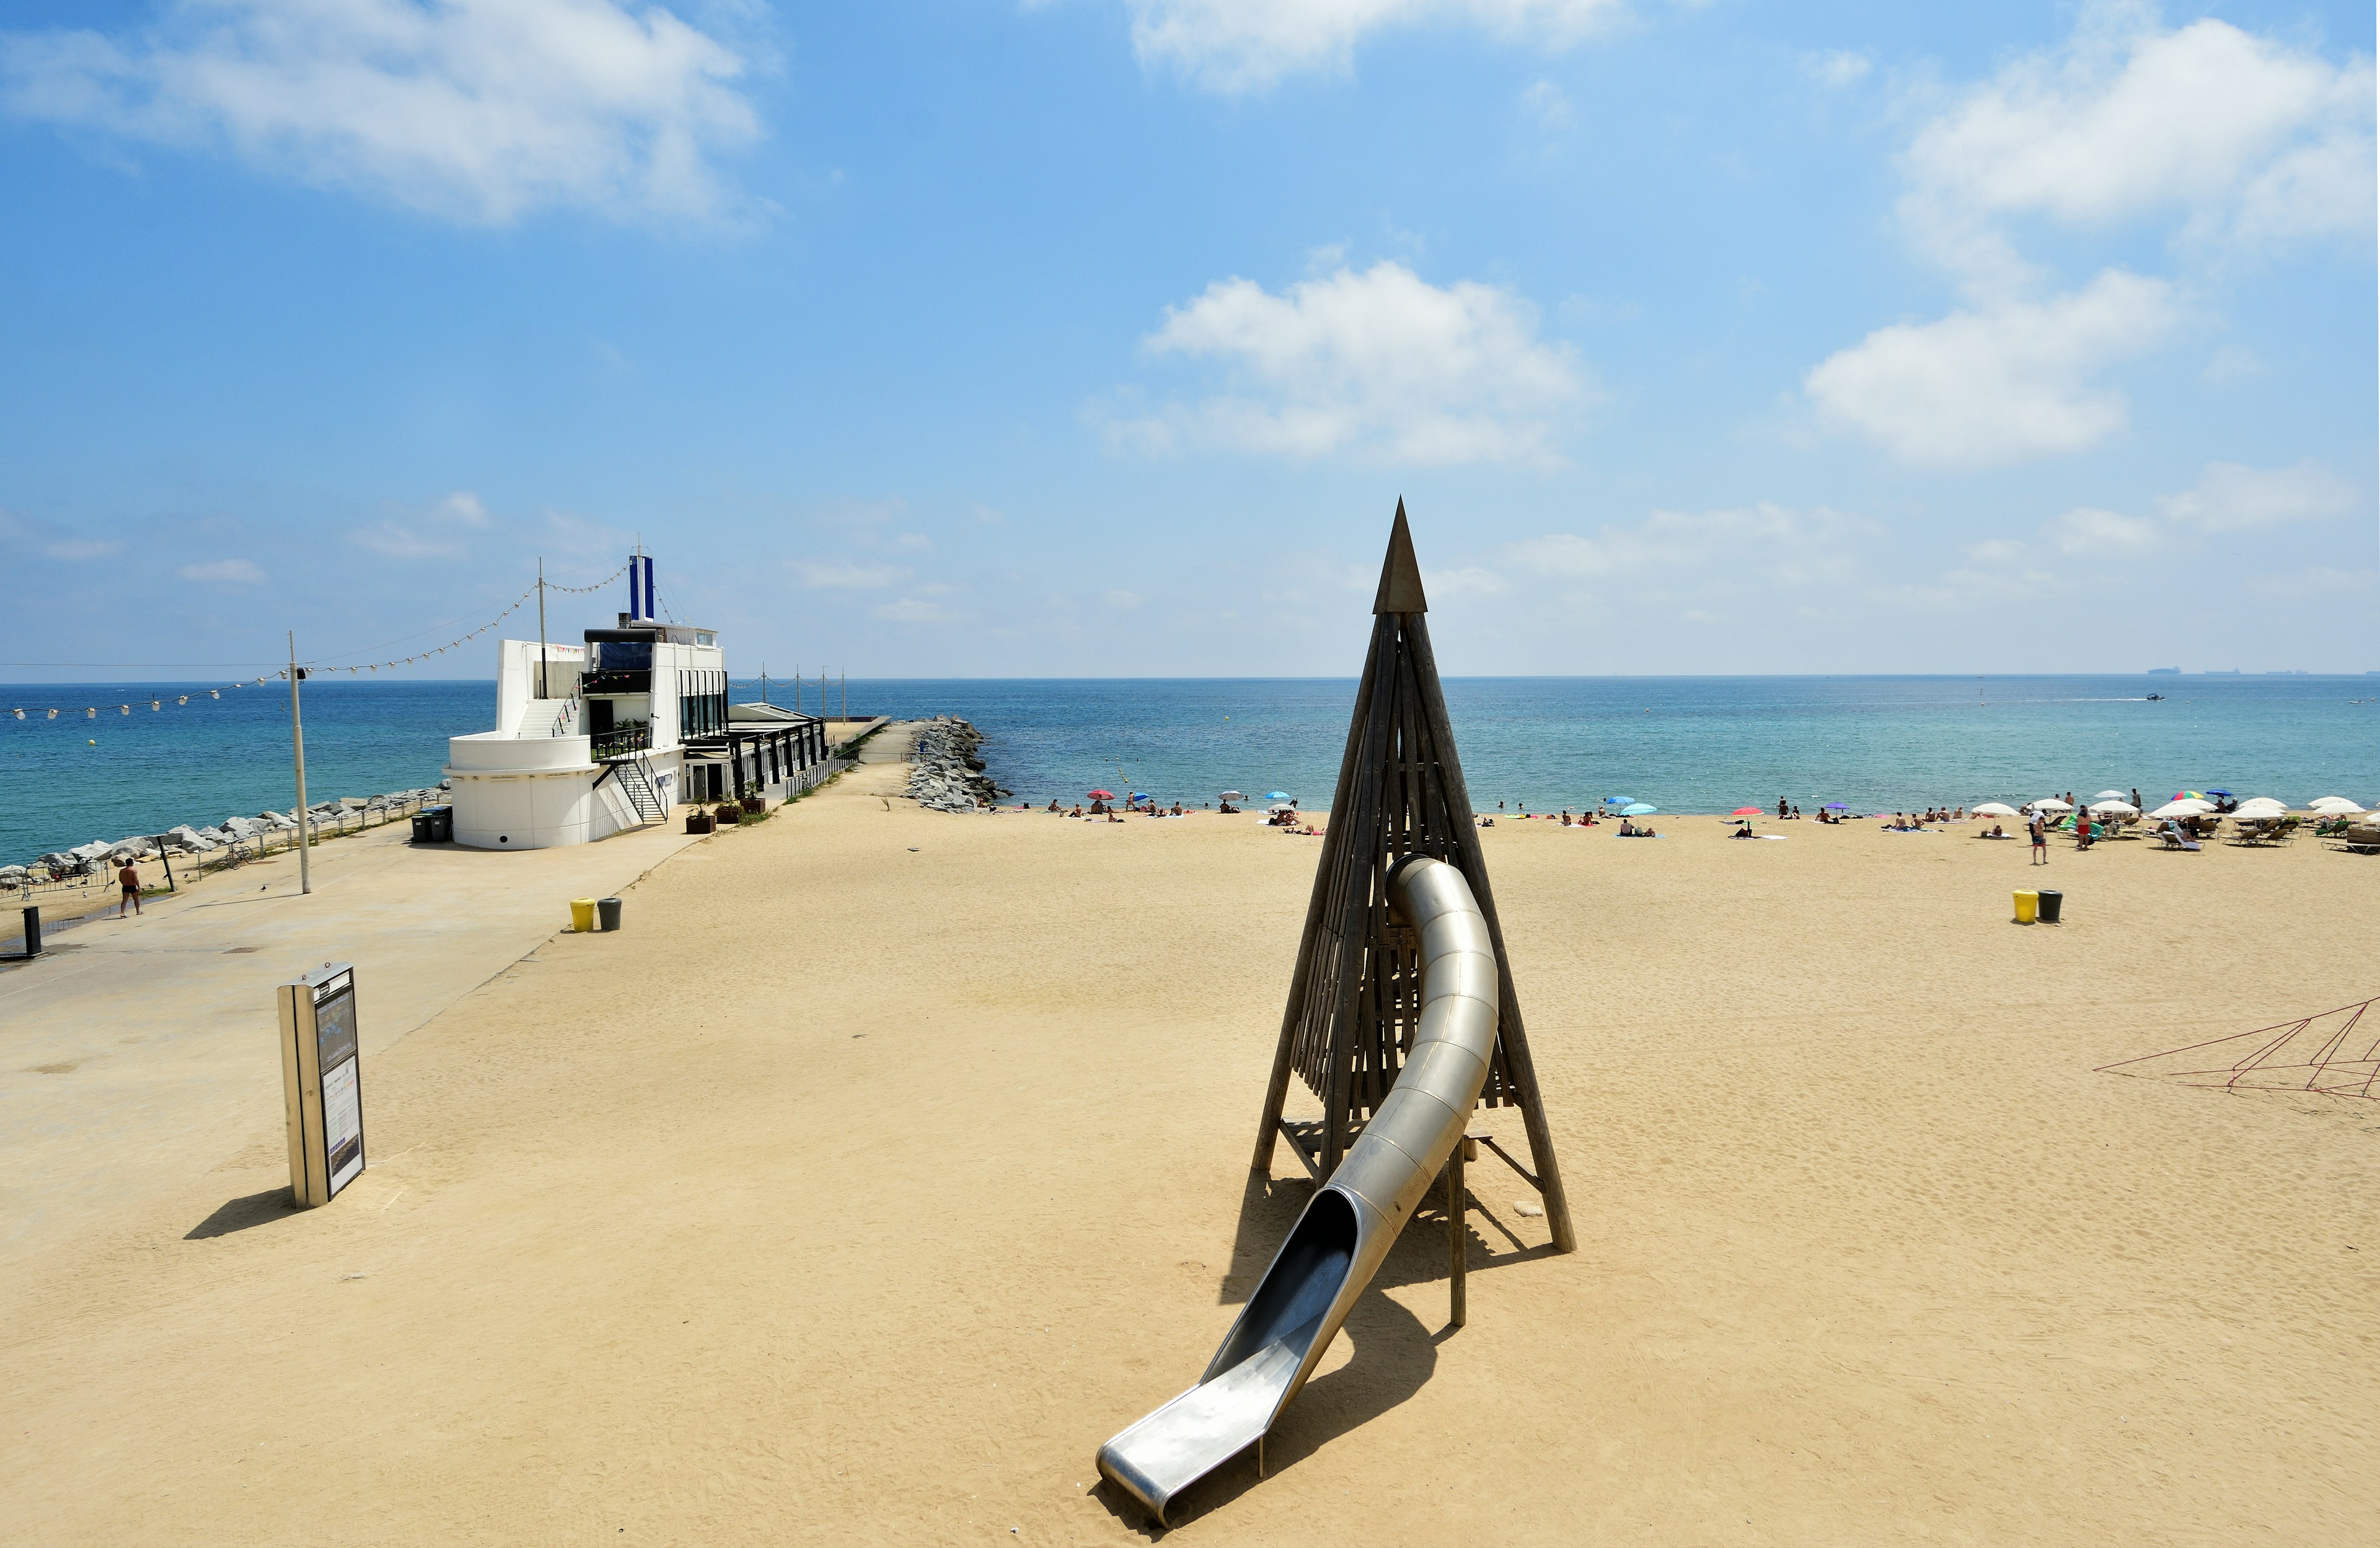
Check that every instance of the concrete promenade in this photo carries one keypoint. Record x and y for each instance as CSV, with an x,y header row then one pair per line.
x,y
141,1053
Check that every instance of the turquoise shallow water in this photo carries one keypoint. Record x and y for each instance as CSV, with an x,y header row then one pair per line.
x,y
1683,744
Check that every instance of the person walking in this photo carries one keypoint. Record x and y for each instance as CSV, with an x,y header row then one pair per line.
x,y
1780,809
130,879
2040,827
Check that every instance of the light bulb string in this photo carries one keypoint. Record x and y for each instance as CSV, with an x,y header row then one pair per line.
x,y
311,668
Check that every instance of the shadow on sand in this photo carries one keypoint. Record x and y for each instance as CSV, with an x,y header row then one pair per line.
x,y
256,1209
1394,1352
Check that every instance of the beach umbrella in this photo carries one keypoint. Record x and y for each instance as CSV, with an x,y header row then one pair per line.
x,y
2189,796
2225,793
1275,795
2182,809
1101,796
1993,808
1619,800
1638,809
1745,812
2262,806
2124,796
2334,806
1233,795
2114,808
2051,804
1838,806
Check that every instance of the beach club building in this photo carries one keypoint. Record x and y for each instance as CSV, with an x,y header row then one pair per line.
x,y
597,738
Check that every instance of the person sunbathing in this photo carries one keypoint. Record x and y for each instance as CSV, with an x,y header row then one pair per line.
x,y
1627,828
1743,832
1077,813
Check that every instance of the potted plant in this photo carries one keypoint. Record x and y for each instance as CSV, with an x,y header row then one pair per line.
x,y
755,806
698,820
728,813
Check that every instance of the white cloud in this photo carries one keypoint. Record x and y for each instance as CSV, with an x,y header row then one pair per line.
x,y
77,550
2011,380
1770,543
224,572
2247,137
1124,601
476,110
53,543
1838,67
2090,531
1240,45
2232,498
396,540
1379,364
851,578
428,536
914,610
1548,107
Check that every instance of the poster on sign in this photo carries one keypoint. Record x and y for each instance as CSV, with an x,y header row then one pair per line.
x,y
322,1083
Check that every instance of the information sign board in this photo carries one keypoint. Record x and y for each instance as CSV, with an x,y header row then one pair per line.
x,y
322,1083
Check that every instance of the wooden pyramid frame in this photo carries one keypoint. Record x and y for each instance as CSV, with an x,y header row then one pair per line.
x,y
1355,995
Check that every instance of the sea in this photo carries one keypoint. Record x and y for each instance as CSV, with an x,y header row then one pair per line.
x,y
1679,744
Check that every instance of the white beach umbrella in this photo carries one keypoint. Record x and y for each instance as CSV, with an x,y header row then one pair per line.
x,y
2125,795
2049,803
2334,806
2183,809
2114,808
1993,809
2260,806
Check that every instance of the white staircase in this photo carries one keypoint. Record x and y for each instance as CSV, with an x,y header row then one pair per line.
x,y
549,717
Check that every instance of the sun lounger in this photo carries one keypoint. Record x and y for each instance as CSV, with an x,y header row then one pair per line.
x,y
2175,839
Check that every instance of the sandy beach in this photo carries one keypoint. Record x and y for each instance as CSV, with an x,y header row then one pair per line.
x,y
887,1162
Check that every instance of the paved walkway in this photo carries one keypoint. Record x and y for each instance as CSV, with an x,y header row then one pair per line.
x,y
149,1045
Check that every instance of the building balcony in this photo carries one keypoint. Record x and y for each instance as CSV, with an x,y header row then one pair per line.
x,y
625,741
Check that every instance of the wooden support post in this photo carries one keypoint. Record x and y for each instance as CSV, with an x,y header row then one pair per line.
x,y
1458,1199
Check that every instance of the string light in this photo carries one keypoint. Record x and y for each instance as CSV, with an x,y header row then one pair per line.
x,y
92,711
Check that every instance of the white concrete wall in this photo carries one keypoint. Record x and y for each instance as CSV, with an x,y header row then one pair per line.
x,y
517,677
502,753
524,810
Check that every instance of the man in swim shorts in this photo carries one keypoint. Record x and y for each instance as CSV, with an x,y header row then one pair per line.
x,y
129,878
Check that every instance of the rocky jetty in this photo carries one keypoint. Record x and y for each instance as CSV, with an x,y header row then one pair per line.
x,y
946,776
328,817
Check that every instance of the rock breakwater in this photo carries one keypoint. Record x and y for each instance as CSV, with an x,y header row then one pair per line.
x,y
326,818
945,773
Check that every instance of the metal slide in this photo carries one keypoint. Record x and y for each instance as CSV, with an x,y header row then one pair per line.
x,y
1351,1221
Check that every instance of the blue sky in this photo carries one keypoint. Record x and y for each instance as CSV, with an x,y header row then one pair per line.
x,y
1102,336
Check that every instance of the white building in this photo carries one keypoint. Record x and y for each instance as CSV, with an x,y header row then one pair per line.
x,y
593,739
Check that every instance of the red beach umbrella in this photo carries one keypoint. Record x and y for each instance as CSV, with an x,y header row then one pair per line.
x,y
1101,796
1745,812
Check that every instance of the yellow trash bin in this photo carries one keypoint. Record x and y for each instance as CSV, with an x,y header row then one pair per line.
x,y
582,913
2028,906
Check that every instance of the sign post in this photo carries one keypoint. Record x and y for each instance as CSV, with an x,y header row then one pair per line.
x,y
320,1089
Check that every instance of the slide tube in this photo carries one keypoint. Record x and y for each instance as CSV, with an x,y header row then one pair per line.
x,y
1348,1227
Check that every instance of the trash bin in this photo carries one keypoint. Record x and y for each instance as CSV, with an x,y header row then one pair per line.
x,y
582,914
442,824
425,828
607,911
2049,905
2028,904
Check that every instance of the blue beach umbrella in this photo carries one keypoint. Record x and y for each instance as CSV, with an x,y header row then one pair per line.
x,y
1618,800
1638,809
1275,795
1837,806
